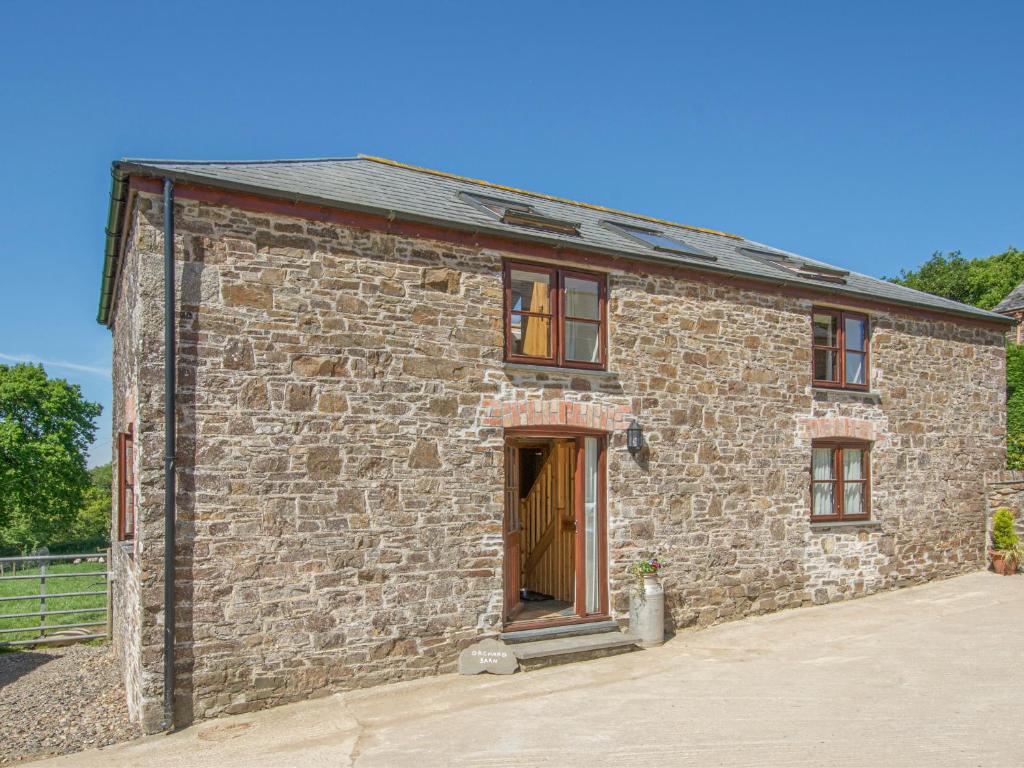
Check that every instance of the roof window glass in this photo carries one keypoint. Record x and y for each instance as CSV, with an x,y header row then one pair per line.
x,y
657,240
518,214
800,267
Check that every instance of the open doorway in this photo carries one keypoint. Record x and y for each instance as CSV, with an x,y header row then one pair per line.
x,y
554,530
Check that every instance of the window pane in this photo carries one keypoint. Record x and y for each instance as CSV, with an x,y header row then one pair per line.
x,y
129,512
823,463
826,365
854,328
826,330
581,298
853,499
530,291
531,335
822,501
853,464
855,373
582,341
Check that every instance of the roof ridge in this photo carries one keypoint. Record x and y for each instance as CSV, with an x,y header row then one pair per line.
x,y
542,196
284,161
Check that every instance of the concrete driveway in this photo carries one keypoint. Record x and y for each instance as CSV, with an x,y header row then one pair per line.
x,y
929,676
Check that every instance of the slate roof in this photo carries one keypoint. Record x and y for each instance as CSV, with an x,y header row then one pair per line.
x,y
1013,302
385,187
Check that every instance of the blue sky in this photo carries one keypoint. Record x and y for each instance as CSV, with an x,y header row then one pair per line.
x,y
866,134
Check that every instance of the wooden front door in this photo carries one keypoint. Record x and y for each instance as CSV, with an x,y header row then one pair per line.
x,y
512,533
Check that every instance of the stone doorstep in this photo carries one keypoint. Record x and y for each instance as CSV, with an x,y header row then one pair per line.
x,y
564,650
565,630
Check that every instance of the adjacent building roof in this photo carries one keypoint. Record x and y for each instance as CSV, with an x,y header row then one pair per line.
x,y
396,190
1014,301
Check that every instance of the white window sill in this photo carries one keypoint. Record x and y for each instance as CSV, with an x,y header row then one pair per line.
x,y
862,524
850,394
555,370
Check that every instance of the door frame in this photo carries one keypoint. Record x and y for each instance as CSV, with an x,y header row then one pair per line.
x,y
522,435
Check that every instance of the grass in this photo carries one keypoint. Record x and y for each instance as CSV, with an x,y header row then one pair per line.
x,y
13,588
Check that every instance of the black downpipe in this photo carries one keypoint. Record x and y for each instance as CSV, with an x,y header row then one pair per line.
x,y
169,452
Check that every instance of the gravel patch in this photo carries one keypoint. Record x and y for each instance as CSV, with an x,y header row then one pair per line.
x,y
62,700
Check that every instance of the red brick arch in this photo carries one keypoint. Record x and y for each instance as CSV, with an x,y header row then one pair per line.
x,y
839,426
555,413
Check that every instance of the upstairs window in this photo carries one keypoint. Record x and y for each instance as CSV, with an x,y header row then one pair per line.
x,y
840,481
125,486
840,349
518,214
657,240
554,316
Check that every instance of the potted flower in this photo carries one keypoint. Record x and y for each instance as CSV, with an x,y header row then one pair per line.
x,y
1007,552
645,570
647,600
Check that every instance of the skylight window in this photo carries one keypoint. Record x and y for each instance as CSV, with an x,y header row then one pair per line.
x,y
518,214
657,240
799,267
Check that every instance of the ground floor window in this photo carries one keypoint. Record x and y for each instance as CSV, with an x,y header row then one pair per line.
x,y
840,481
125,486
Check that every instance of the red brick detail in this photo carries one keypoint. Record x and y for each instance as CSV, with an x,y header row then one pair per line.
x,y
555,413
841,426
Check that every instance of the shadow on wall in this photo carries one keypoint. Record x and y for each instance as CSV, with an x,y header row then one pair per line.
x,y
189,319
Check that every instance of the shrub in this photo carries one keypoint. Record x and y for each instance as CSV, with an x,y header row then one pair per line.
x,y
1004,537
1015,452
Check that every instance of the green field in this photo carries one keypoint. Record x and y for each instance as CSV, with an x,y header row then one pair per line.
x,y
89,583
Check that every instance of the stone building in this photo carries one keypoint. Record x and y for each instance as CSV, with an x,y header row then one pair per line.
x,y
402,402
1013,307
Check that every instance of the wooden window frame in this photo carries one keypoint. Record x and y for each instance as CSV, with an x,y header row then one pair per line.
x,y
556,294
125,481
839,482
840,349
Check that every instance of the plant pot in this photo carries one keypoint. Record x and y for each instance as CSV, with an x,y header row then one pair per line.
x,y
999,564
647,612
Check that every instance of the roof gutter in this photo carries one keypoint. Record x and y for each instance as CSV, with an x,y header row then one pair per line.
x,y
112,244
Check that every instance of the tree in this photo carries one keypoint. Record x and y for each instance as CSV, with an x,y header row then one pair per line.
x,y
980,282
45,428
92,523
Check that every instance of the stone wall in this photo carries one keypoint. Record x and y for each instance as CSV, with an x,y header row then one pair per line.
x,y
341,418
126,605
1005,489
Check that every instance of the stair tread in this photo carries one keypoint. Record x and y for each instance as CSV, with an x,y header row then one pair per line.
x,y
567,630
576,644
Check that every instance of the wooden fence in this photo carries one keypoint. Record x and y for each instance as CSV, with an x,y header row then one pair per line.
x,y
17,575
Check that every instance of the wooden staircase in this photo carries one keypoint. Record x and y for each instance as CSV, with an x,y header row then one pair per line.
x,y
548,546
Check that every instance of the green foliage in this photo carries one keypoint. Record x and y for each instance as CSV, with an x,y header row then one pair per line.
x,y
45,428
1004,536
92,523
1014,391
980,282
1015,451
1014,557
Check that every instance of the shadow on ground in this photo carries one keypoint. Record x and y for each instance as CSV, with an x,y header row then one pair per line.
x,y
18,663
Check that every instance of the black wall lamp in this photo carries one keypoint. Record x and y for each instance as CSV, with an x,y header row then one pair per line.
x,y
634,438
